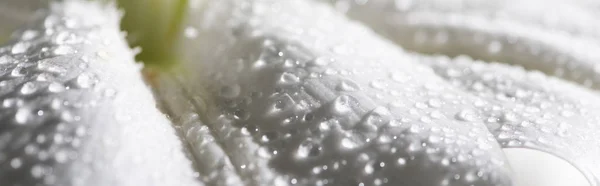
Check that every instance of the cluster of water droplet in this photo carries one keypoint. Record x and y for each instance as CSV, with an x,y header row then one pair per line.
x,y
328,107
528,109
560,43
41,78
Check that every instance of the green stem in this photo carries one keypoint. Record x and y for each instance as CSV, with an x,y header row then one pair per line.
x,y
155,26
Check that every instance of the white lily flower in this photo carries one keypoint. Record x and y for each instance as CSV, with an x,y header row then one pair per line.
x,y
293,92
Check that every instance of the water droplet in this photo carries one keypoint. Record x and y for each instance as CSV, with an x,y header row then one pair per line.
x,y
85,80
269,136
5,60
58,138
420,105
12,102
308,149
37,171
435,103
51,21
467,115
319,62
436,114
451,72
190,32
80,131
288,78
19,48
378,117
543,140
18,71
63,50
279,105
46,65
22,116
61,156
241,114
369,169
40,138
378,84
16,163
348,144
509,117
83,65
28,88
29,34
342,104
43,77
56,87
64,37
56,104
526,123
259,64
347,85
401,162
434,139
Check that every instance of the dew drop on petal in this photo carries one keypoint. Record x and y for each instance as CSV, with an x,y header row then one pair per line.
x,y
56,87
347,85
22,116
19,48
85,80
467,115
342,104
63,50
16,163
28,88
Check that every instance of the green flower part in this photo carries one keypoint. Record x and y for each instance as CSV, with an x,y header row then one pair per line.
x,y
154,25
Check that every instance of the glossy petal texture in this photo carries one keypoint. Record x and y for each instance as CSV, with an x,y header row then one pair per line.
x,y
75,110
556,37
294,93
531,110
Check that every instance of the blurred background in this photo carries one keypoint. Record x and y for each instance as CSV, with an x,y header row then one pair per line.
x,y
14,13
